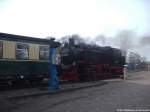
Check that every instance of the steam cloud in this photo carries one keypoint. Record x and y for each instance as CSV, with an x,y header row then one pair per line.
x,y
125,40
145,41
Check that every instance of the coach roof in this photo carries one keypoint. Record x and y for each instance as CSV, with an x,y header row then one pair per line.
x,y
20,38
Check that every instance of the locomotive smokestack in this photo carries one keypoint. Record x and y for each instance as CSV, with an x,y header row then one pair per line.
x,y
71,41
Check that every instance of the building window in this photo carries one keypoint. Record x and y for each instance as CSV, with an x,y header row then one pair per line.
x,y
1,50
22,51
44,52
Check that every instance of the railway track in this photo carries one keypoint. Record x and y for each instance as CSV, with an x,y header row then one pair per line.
x,y
42,90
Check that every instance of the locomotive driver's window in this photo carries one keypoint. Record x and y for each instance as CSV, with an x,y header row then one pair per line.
x,y
22,51
44,52
1,49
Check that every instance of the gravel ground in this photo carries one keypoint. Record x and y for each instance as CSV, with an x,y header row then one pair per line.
x,y
40,91
133,93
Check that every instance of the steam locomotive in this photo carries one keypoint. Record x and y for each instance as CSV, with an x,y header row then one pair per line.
x,y
90,62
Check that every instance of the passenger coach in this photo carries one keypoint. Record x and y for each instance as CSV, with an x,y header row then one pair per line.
x,y
23,57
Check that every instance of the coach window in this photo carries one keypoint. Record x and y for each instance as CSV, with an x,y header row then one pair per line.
x,y
1,49
44,52
22,51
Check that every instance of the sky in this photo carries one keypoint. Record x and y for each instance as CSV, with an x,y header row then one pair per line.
x,y
57,18
88,18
